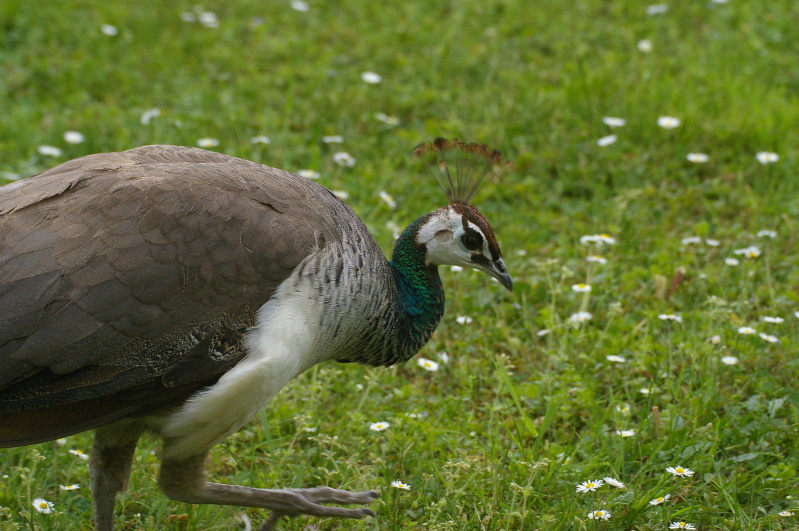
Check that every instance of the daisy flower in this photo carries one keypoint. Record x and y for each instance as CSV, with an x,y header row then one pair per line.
x,y
600,514
767,157
607,140
387,199
78,453
386,119
681,525
341,194
644,46
426,364
769,338
400,485
109,30
580,317
342,158
73,137
581,288
766,234
615,359
261,139
456,269
69,487
590,486
207,142
371,78
697,158
731,261
49,151
43,506
612,121
308,174
148,115
333,139
660,499
746,330
680,471
379,426
443,356
624,409
208,19
299,5
785,513
729,360
543,332
670,317
776,320
626,433
656,9
712,243
595,259
668,122
463,319
691,239
715,340
613,482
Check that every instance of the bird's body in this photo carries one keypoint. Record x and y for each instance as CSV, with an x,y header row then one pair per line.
x,y
177,290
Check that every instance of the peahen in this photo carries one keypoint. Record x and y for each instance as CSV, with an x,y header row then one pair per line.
x,y
175,290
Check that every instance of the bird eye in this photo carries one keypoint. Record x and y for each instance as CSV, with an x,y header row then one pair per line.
x,y
472,240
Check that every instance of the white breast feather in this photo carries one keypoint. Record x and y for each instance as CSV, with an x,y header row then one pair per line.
x,y
279,347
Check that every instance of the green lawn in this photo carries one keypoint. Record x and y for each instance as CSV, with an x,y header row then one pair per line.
x,y
502,433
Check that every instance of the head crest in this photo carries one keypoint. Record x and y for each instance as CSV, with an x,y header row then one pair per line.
x,y
459,167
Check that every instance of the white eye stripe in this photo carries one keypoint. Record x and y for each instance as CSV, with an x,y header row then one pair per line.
x,y
475,228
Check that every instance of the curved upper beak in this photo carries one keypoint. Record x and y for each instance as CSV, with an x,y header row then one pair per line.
x,y
498,270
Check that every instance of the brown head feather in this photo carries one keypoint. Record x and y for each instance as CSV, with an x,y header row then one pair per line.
x,y
459,167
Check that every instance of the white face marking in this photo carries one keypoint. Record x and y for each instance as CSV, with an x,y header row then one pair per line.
x,y
442,235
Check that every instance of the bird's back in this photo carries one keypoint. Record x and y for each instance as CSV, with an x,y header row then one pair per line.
x,y
127,280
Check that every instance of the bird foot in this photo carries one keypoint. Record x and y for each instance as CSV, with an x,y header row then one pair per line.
x,y
319,495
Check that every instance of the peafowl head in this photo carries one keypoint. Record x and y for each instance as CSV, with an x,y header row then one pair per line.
x,y
458,234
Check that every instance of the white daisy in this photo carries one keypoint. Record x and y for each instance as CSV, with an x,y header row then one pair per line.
x,y
625,433
386,119
299,5
612,121
766,233
670,317
681,525
767,157
341,194
607,140
400,485
581,288
746,330
208,19
148,115
732,261
644,45
729,360
73,137
371,78
785,513
444,357
590,486
543,332
769,338
715,339
49,151
69,487
109,30
456,269
656,9
379,426
776,320
668,122
342,158
333,139
615,359
712,243
600,514
79,453
43,506
660,499
691,240
387,199
697,158
680,471
595,259
463,319
580,317
426,364
614,483
207,142
261,139
308,174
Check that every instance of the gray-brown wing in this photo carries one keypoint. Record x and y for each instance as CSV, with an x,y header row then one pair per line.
x,y
126,279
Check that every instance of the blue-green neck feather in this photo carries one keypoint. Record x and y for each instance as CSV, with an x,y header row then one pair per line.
x,y
421,294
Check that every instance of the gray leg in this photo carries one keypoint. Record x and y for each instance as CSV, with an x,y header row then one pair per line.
x,y
184,480
109,469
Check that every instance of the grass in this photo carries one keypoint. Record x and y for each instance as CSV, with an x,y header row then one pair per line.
x,y
515,419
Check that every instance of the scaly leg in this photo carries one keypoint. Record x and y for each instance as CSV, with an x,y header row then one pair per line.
x,y
184,480
109,469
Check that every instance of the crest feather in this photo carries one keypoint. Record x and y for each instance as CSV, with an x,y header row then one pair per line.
x,y
459,167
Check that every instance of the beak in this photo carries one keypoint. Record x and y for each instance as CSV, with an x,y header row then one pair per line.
x,y
498,270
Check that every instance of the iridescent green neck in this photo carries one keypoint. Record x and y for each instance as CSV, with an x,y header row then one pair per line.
x,y
421,294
